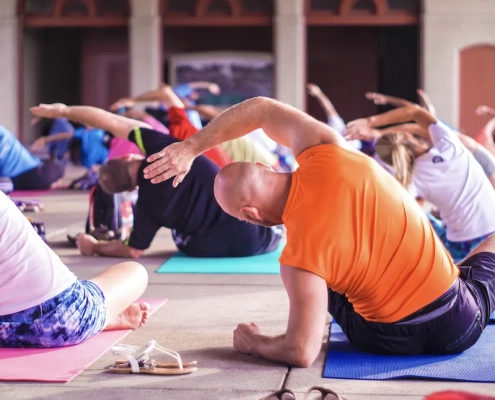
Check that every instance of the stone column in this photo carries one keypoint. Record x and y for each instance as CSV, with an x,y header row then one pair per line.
x,y
9,62
290,52
145,30
449,26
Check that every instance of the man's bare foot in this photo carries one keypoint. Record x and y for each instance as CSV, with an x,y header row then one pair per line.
x,y
135,316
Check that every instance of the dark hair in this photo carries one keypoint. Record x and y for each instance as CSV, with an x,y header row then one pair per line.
x,y
75,151
114,176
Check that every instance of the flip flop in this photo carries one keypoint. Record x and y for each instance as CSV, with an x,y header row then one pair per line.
x,y
138,360
326,394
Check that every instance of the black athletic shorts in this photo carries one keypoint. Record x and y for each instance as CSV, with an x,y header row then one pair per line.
x,y
451,324
230,238
41,177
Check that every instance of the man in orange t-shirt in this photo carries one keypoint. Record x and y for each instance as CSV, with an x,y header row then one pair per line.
x,y
358,245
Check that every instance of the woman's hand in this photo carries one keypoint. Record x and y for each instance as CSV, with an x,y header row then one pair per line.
x,y
360,129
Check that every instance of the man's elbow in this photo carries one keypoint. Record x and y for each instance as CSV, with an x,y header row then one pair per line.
x,y
304,357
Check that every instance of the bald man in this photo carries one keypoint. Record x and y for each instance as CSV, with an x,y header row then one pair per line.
x,y
200,228
358,245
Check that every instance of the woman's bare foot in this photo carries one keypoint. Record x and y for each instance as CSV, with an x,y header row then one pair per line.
x,y
135,316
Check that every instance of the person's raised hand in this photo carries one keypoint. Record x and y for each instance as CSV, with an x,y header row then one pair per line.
x,y
124,102
360,129
243,337
485,110
55,110
213,88
39,144
313,90
377,98
174,160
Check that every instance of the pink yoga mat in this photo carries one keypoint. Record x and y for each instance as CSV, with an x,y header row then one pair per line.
x,y
29,193
61,364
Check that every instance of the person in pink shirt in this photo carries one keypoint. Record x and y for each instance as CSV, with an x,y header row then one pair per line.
x,y
120,147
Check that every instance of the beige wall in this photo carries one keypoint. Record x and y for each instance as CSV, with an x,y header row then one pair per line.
x,y
145,31
449,26
8,65
290,52
32,77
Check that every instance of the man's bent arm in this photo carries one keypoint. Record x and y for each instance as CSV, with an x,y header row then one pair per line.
x,y
116,248
301,344
281,122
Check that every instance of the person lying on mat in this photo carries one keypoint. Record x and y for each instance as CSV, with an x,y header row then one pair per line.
x,y
26,171
358,245
200,228
42,304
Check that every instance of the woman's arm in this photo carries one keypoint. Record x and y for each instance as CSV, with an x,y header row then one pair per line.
x,y
323,100
382,99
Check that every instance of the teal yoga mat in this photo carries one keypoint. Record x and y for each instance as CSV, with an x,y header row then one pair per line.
x,y
262,264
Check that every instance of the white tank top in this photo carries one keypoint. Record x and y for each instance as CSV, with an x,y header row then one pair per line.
x,y
30,272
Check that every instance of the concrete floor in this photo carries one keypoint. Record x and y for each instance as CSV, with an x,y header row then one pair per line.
x,y
198,321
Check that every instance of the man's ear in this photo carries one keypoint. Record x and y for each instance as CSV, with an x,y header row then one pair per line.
x,y
250,212
264,165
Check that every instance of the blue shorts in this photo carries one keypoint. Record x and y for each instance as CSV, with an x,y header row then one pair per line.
x,y
458,250
75,315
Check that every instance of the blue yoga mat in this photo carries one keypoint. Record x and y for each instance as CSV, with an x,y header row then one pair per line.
x,y
262,264
344,361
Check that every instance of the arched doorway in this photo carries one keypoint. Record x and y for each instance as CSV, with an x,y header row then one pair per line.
x,y
476,84
73,51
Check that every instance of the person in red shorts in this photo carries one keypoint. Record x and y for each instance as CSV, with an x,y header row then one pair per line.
x,y
358,245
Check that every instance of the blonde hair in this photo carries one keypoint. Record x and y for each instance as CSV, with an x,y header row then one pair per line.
x,y
395,150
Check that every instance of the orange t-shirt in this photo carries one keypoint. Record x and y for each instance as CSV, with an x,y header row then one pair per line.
x,y
181,128
350,222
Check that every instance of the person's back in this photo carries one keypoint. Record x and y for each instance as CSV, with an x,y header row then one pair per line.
x,y
31,272
450,178
199,226
94,146
351,223
15,159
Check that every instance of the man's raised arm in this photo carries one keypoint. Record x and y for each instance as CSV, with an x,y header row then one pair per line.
x,y
282,123
90,116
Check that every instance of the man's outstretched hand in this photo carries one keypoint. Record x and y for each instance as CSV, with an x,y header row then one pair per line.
x,y
174,160
55,110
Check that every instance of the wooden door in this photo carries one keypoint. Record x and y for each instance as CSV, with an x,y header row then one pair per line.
x,y
477,86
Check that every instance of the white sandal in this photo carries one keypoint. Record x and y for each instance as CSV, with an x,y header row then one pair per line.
x,y
138,361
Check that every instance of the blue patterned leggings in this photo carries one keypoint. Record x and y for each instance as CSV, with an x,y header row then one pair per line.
x,y
75,315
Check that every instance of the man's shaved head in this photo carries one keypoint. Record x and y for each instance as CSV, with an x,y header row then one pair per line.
x,y
251,192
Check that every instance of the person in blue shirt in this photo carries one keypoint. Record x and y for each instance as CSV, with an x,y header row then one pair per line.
x,y
56,126
87,146
26,171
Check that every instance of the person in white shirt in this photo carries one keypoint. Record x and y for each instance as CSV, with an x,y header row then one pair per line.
x,y
42,304
442,170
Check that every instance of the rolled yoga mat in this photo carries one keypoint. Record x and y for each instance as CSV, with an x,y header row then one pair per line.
x,y
262,264
344,361
64,363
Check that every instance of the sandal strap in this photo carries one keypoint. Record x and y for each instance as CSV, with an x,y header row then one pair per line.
x,y
142,353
